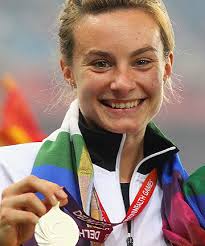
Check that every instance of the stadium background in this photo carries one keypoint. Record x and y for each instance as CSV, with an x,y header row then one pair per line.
x,y
29,53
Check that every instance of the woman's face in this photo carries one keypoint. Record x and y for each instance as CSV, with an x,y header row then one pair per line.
x,y
119,69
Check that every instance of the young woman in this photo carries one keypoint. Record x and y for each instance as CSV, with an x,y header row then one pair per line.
x,y
108,154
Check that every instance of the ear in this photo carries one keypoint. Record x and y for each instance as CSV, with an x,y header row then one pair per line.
x,y
67,73
168,66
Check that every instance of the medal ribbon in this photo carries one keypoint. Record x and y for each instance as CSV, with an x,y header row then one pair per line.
x,y
97,230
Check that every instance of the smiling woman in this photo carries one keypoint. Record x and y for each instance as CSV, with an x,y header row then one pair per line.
x,y
121,175
128,69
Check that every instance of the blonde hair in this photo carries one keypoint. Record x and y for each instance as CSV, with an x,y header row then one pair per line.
x,y
74,10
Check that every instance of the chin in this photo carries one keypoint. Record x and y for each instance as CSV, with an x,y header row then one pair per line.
x,y
128,129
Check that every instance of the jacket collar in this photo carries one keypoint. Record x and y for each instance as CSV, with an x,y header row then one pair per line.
x,y
103,146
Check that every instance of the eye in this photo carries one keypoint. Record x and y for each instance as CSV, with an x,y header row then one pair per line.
x,y
101,65
142,63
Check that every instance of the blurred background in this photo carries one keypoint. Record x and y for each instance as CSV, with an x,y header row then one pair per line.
x,y
29,53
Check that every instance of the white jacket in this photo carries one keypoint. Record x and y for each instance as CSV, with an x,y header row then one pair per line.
x,y
16,162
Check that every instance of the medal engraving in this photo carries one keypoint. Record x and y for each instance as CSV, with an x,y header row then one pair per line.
x,y
56,228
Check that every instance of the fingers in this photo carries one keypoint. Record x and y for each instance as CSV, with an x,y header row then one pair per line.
x,y
12,217
27,202
34,184
61,196
20,208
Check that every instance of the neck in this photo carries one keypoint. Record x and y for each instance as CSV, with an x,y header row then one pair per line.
x,y
132,154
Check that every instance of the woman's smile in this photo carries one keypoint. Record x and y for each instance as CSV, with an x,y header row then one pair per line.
x,y
119,79
122,104
122,108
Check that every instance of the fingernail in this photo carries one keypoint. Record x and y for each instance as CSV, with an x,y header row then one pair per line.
x,y
54,200
61,194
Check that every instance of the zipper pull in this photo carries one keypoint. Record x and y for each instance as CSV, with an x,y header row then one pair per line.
x,y
129,240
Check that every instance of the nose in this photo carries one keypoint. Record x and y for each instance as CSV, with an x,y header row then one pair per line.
x,y
123,82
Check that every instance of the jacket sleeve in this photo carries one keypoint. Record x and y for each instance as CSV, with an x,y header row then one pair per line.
x,y
16,163
5,177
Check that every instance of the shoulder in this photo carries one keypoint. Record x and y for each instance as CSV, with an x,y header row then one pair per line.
x,y
16,162
19,150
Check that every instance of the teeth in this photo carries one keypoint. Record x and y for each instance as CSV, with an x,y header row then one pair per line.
x,y
128,105
125,105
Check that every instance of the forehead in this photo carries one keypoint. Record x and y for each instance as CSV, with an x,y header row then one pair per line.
x,y
119,30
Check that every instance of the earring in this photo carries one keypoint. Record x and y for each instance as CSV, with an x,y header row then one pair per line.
x,y
72,84
165,79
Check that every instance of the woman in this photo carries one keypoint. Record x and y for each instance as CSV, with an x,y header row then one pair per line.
x,y
118,55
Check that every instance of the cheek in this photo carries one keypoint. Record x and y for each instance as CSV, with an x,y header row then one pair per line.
x,y
156,87
152,83
92,85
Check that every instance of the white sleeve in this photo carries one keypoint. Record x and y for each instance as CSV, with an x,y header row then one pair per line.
x,y
5,178
16,163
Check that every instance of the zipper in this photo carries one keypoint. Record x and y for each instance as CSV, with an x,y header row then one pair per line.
x,y
132,183
147,158
129,240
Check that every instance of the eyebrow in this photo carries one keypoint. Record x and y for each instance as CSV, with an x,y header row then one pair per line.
x,y
98,53
107,54
143,50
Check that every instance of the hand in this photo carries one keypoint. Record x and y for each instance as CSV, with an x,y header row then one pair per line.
x,y
20,208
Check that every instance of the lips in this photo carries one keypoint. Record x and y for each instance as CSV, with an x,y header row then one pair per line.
x,y
122,104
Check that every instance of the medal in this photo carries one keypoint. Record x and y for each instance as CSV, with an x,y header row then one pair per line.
x,y
56,228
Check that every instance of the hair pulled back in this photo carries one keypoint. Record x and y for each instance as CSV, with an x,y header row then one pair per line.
x,y
74,10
